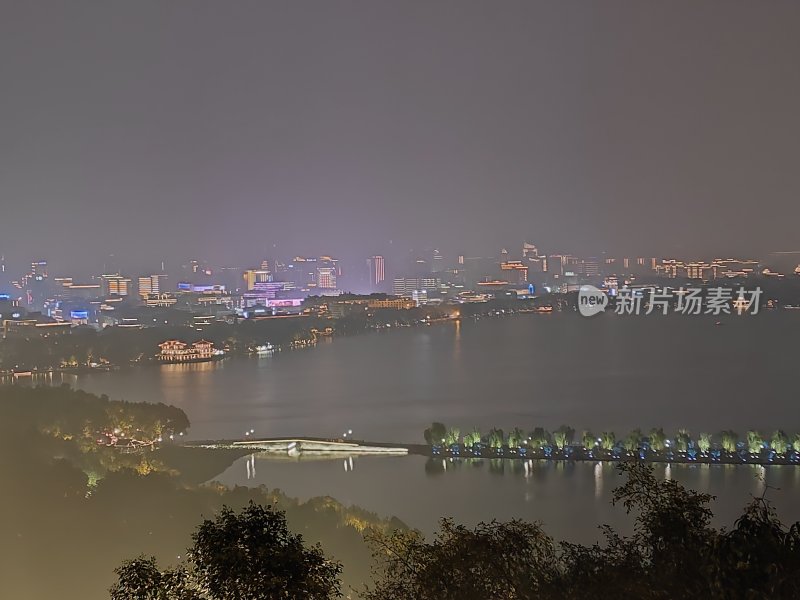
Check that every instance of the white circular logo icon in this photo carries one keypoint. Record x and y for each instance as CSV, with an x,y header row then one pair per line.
x,y
591,300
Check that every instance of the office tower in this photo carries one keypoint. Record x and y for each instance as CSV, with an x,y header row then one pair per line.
x,y
326,278
406,286
514,271
115,285
529,251
254,276
437,262
377,274
39,270
152,284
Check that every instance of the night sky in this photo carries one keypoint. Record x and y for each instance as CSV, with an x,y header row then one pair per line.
x,y
234,130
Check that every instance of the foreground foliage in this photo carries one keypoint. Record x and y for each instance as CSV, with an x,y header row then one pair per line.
x,y
244,556
673,553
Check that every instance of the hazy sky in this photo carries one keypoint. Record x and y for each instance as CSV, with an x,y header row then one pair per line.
x,y
219,129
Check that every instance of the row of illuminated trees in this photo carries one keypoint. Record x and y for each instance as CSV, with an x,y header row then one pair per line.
x,y
656,440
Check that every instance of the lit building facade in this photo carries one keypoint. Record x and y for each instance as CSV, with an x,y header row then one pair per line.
x,y
394,303
326,278
176,351
256,276
151,285
115,285
377,273
406,286
514,271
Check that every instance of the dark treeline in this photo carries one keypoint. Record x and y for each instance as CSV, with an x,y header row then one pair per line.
x,y
124,346
71,510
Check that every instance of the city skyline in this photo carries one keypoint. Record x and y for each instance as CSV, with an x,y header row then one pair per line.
x,y
389,262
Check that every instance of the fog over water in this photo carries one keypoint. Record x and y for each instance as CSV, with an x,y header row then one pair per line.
x,y
605,373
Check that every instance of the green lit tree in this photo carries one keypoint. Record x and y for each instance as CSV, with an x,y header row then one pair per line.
x,y
453,436
796,442
683,440
658,440
588,440
633,441
563,436
608,440
515,437
472,438
779,442
704,442
755,442
496,438
730,440
539,437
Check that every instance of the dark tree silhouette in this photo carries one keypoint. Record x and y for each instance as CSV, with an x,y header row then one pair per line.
x,y
494,561
673,553
249,555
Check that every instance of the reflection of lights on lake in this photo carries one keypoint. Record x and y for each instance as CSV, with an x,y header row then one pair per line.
x,y
761,475
598,480
251,466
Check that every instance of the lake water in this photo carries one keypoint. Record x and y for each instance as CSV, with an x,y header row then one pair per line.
x,y
604,373
571,499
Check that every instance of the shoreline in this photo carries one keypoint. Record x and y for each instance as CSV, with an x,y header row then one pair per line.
x,y
575,454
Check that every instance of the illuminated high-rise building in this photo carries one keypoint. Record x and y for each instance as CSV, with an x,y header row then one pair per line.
x,y
514,271
437,262
406,286
39,270
151,284
115,285
327,273
529,251
377,274
326,278
254,276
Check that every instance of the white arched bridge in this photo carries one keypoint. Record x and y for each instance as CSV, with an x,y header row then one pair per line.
x,y
304,445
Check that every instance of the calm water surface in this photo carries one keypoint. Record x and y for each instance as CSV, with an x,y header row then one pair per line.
x,y
534,370
605,373
571,499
